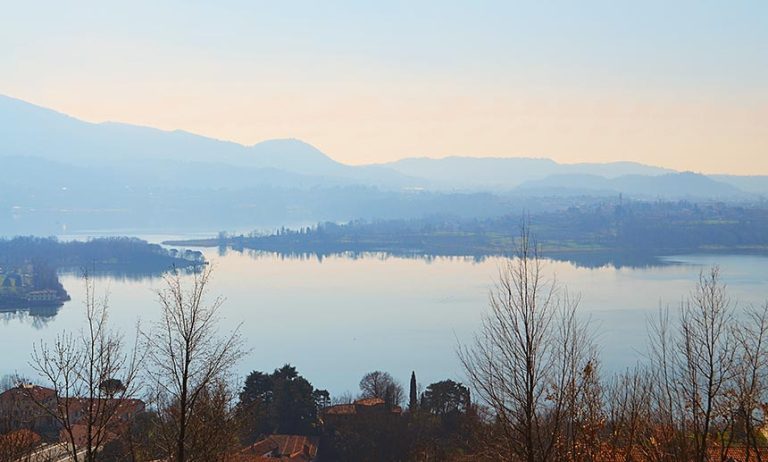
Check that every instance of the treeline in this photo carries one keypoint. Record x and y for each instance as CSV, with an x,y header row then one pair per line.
x,y
100,253
649,228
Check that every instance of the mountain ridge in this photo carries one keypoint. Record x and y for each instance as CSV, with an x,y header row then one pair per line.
x,y
31,130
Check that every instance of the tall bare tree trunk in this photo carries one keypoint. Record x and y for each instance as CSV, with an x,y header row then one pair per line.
x,y
527,356
188,358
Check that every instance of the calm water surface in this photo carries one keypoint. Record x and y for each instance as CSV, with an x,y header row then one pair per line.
x,y
338,318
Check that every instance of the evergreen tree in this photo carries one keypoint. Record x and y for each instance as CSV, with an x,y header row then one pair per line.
x,y
281,402
413,403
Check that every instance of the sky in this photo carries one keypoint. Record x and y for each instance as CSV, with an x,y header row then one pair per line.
x,y
681,84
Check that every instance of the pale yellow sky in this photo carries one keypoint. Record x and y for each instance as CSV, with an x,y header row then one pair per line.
x,y
683,86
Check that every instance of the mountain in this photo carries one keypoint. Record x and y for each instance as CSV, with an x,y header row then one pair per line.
x,y
60,173
294,156
135,156
505,173
27,130
755,184
685,185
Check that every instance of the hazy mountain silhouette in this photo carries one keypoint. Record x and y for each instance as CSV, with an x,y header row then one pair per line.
x,y
506,173
48,147
32,131
684,185
756,184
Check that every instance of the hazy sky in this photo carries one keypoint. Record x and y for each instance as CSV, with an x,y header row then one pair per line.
x,y
674,83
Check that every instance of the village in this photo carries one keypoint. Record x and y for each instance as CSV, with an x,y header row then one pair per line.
x,y
39,425
17,290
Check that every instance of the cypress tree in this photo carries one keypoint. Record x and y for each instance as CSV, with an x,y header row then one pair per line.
x,y
413,403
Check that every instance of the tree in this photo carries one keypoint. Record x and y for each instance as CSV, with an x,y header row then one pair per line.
x,y
9,381
629,415
76,367
694,366
378,384
281,402
751,377
707,351
445,425
445,398
527,358
15,445
188,361
413,402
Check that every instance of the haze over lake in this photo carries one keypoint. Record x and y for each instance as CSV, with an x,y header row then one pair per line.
x,y
339,317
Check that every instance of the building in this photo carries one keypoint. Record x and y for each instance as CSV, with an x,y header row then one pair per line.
x,y
360,408
24,408
281,447
31,407
46,296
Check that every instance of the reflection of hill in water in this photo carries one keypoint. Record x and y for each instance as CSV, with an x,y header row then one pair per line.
x,y
132,272
610,259
579,259
37,316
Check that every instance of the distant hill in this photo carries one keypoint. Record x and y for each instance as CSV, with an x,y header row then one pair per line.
x,y
684,185
32,131
506,173
752,184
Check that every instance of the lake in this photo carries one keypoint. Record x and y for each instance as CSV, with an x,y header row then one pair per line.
x,y
336,318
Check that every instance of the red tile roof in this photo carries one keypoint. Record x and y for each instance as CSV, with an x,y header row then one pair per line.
x,y
357,406
282,447
370,402
340,409
36,392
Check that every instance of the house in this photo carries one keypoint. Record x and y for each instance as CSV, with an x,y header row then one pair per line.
x,y
360,408
20,409
30,407
281,447
121,412
44,296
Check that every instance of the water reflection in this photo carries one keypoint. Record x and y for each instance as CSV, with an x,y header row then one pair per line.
x,y
337,317
37,317
138,273
585,259
127,273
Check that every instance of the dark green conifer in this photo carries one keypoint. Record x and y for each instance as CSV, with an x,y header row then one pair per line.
x,y
413,403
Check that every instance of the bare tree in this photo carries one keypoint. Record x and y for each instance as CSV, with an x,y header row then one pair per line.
x,y
187,359
707,348
78,367
528,359
18,447
7,382
214,425
751,377
693,368
629,416
378,384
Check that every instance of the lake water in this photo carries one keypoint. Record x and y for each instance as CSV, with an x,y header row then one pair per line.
x,y
337,318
